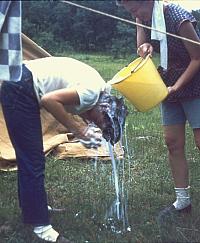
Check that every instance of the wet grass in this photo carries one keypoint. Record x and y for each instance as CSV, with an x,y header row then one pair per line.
x,y
87,193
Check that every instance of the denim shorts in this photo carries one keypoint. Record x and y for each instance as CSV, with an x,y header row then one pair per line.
x,y
174,113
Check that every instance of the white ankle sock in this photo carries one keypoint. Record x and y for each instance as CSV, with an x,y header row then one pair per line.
x,y
46,232
49,208
182,198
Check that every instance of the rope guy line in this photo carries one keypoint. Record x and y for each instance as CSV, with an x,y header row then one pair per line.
x,y
129,21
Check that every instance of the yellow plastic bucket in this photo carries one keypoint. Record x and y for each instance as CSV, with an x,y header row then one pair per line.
x,y
141,84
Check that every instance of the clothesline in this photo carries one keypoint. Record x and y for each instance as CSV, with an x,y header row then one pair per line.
x,y
129,21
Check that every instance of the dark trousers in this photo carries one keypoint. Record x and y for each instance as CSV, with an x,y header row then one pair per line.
x,y
22,115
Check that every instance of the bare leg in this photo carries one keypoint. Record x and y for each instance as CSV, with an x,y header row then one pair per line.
x,y
175,141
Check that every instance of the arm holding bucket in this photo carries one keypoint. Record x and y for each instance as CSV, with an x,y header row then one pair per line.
x,y
141,37
187,30
144,48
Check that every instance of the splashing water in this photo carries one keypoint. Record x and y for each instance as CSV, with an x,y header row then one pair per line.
x,y
95,161
116,179
116,215
128,155
115,113
118,208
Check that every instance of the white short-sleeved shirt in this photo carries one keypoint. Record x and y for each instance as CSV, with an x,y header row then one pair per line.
x,y
53,73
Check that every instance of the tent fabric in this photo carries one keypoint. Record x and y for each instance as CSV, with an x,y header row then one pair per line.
x,y
56,137
31,50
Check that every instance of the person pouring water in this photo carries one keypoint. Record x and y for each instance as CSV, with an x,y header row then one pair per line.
x,y
63,86
180,70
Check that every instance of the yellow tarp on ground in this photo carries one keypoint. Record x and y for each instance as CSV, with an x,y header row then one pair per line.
x,y
55,136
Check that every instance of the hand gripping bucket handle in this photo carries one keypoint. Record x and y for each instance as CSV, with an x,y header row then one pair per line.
x,y
141,84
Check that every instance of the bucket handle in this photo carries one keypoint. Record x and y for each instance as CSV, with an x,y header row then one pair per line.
x,y
142,59
112,81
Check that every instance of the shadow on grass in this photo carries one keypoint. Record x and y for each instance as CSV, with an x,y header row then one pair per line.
x,y
175,227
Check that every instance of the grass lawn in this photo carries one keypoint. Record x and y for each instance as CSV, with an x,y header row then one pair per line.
x,y
86,190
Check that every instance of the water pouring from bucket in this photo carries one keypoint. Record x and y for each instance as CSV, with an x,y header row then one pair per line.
x,y
141,84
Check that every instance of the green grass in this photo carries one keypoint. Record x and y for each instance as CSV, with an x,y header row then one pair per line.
x,y
87,193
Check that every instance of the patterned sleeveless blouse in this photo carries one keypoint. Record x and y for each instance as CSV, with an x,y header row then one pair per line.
x,y
178,57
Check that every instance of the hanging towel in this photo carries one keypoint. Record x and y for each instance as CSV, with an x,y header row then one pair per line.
x,y
158,23
10,41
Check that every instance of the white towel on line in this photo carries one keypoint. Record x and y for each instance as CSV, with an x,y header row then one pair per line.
x,y
158,23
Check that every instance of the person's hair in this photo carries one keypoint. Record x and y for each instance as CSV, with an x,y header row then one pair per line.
x,y
114,114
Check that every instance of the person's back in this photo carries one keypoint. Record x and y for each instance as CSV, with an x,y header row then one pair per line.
x,y
56,72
